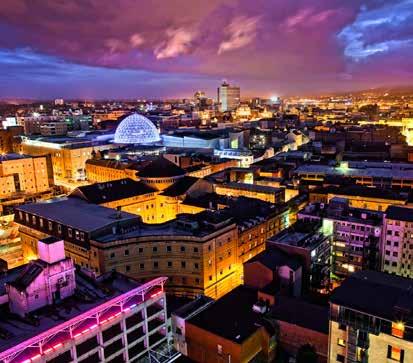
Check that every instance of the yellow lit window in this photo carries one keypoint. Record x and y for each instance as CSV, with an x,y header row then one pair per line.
x,y
397,329
341,342
395,353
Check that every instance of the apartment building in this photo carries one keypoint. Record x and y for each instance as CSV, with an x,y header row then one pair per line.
x,y
356,235
370,319
397,245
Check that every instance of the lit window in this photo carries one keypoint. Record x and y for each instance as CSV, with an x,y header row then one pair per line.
x,y
397,329
341,342
219,349
395,353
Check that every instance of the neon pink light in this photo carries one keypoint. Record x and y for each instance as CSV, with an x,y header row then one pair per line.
x,y
156,294
48,350
36,356
57,346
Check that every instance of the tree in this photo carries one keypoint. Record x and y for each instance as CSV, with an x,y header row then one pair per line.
x,y
307,354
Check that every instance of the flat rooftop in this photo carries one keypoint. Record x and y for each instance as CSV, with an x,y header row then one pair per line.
x,y
362,191
231,316
300,234
14,156
376,293
251,187
88,294
299,312
366,171
76,213
185,225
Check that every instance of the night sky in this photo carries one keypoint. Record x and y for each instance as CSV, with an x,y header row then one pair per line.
x,y
170,48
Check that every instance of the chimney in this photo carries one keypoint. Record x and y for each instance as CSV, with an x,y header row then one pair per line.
x,y
51,249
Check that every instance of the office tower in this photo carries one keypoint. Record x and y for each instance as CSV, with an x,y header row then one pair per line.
x,y
228,97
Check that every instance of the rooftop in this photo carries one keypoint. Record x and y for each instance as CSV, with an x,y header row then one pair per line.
x,y
189,225
362,191
381,171
180,187
301,313
89,294
274,257
342,211
252,187
100,193
77,213
388,292
300,234
161,168
229,318
399,213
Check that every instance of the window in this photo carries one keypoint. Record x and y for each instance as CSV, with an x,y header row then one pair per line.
x,y
50,226
140,250
182,248
341,342
155,249
169,263
397,329
395,353
196,265
183,264
155,264
141,266
59,228
219,349
168,248
112,255
127,268
69,231
340,358
210,277
195,249
126,252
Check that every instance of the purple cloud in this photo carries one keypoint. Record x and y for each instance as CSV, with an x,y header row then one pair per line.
x,y
265,46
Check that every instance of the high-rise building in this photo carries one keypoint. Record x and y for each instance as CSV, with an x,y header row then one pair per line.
x,y
398,241
371,319
228,97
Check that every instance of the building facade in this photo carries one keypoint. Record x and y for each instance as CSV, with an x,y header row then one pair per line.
x,y
228,97
370,319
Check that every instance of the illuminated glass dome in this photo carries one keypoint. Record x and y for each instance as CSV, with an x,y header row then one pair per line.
x,y
136,129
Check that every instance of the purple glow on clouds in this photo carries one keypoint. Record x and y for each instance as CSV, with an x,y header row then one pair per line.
x,y
154,48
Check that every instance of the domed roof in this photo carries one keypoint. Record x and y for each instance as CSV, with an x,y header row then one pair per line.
x,y
161,168
136,129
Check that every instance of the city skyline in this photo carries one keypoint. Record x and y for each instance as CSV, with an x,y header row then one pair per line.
x,y
84,49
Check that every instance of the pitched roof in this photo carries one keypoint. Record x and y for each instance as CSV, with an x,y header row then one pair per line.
x,y
28,275
161,168
100,193
180,187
